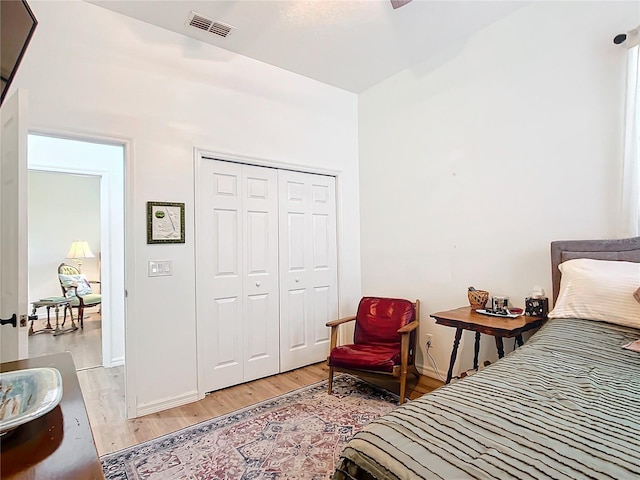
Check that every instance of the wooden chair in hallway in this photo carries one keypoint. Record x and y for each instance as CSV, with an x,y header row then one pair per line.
x,y
77,288
384,341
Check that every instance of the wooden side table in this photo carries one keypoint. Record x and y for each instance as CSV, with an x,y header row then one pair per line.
x,y
464,318
56,303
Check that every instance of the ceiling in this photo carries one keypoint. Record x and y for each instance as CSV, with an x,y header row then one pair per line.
x,y
348,44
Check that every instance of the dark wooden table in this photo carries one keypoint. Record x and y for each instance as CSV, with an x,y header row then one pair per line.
x,y
464,318
58,445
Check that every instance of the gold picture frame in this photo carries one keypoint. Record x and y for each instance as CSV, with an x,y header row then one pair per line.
x,y
165,222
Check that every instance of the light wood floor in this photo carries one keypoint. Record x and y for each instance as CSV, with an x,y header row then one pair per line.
x,y
84,344
103,391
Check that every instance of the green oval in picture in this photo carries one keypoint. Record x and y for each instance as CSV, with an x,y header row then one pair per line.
x,y
159,214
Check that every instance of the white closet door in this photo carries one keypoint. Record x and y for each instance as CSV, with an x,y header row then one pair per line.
x,y
308,267
237,282
261,318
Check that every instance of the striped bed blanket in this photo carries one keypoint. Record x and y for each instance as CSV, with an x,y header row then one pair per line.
x,y
563,406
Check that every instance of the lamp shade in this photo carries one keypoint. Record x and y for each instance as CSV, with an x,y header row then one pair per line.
x,y
80,249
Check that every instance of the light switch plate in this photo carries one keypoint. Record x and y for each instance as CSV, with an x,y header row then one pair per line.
x,y
160,268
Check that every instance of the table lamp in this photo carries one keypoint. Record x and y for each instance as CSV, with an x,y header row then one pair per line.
x,y
79,250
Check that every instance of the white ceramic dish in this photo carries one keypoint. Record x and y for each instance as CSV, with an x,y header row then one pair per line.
x,y
27,394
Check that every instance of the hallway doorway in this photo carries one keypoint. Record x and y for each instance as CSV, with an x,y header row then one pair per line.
x,y
76,192
51,242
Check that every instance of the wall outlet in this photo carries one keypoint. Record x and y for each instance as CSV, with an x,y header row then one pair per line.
x,y
429,340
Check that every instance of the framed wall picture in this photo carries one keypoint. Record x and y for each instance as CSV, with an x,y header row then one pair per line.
x,y
165,222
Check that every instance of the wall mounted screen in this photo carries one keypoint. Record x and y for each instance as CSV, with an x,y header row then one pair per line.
x,y
17,24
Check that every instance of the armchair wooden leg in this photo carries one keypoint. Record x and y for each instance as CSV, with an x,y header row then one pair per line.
x,y
403,385
81,316
329,390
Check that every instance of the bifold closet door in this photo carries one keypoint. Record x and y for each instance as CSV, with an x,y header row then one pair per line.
x,y
237,273
308,266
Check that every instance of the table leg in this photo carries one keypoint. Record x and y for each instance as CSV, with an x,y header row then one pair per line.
x,y
519,340
454,353
49,327
476,351
500,347
60,331
57,330
33,317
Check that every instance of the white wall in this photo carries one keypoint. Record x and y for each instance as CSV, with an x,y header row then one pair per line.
x,y
473,164
89,70
56,202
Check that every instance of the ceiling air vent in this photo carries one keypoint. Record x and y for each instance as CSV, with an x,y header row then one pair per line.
x,y
199,21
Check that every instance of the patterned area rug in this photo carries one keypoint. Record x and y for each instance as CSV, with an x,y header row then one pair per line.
x,y
298,436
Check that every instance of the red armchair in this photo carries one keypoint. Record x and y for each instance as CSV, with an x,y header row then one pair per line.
x,y
384,341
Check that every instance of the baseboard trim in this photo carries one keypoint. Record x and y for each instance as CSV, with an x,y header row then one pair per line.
x,y
429,371
165,404
115,362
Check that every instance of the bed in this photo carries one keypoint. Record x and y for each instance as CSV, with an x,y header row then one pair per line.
x,y
563,406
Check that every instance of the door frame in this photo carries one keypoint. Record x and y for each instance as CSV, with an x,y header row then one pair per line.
x,y
203,154
13,259
127,242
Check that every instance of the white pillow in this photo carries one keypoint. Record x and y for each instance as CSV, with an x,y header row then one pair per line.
x,y
599,290
80,280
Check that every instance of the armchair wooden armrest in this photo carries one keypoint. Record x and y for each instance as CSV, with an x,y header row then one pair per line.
x,y
409,327
339,321
74,287
334,324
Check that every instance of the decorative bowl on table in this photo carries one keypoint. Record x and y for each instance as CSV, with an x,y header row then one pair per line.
x,y
477,298
27,394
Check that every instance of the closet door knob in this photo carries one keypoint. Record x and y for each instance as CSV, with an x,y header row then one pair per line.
x,y
297,280
257,284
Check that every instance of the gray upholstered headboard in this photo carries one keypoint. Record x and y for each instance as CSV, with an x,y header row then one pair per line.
x,y
626,249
